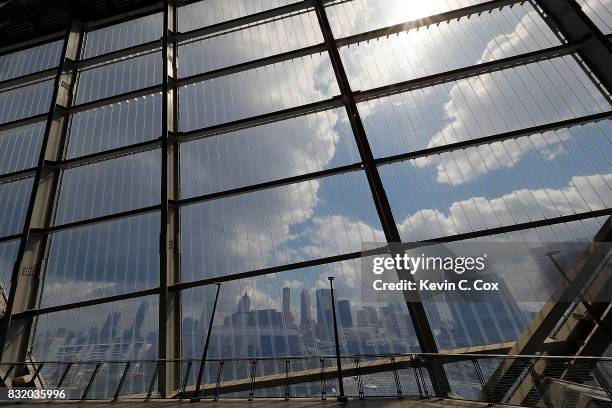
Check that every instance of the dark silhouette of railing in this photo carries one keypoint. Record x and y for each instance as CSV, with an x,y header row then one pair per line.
x,y
537,380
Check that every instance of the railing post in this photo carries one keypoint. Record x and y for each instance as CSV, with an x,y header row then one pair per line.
x,y
196,393
341,396
64,375
8,373
359,382
253,372
152,384
482,381
185,379
121,381
398,384
323,392
287,362
218,382
91,380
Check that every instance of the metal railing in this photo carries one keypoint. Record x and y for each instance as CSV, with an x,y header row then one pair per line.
x,y
542,381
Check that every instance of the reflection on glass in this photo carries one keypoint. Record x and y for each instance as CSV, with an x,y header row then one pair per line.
x,y
479,106
277,150
116,125
249,43
438,48
14,199
504,183
209,12
287,224
24,101
102,260
290,314
20,147
124,330
120,76
124,35
255,92
8,255
600,12
30,60
110,186
353,17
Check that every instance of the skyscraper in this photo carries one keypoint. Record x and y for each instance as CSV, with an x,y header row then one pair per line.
x,y
344,313
287,315
324,308
305,319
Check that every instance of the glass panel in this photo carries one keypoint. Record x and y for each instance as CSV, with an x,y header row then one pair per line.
x,y
110,186
125,330
119,76
31,60
102,260
600,12
255,155
124,35
292,223
8,256
249,43
209,12
353,17
263,90
116,125
462,324
25,101
479,106
504,183
444,47
289,314
14,200
20,147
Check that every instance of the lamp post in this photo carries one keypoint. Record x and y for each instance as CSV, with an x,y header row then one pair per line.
x,y
341,397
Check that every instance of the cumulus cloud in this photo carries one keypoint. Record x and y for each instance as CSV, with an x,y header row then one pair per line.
x,y
584,193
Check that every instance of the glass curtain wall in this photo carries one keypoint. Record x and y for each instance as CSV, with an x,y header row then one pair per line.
x,y
274,194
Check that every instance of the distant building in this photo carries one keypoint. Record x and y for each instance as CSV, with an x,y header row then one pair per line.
x,y
305,319
344,313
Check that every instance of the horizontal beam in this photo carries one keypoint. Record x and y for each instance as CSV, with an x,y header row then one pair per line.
x,y
26,79
514,134
246,66
85,303
23,122
241,21
462,73
114,55
114,99
105,155
98,220
303,264
9,238
269,184
426,21
17,175
335,102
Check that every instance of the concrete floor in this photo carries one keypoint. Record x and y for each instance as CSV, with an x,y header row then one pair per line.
x,y
270,403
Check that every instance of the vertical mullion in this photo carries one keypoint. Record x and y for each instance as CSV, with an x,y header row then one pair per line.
x,y
422,328
567,18
28,269
169,302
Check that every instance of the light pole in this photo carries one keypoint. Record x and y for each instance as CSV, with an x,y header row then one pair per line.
x,y
341,397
